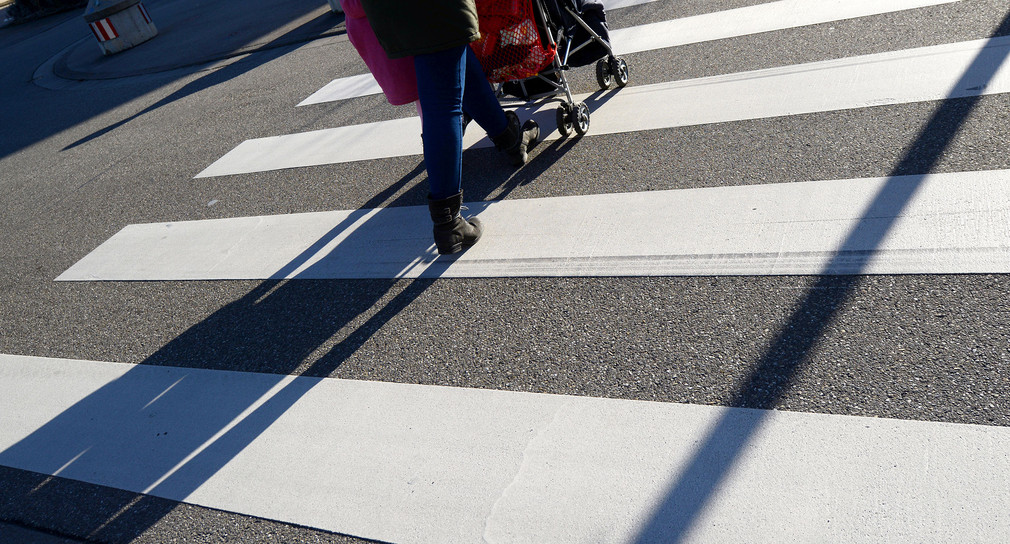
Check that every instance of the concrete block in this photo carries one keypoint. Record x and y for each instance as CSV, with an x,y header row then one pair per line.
x,y
119,24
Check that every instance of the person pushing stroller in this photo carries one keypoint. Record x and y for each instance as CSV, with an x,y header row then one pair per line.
x,y
450,81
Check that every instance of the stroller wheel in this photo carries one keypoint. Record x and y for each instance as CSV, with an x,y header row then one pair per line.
x,y
619,69
564,119
580,118
603,74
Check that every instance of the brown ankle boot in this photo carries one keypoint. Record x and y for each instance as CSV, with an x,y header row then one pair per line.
x,y
452,232
515,140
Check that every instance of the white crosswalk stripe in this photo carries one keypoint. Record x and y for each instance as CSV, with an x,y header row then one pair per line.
x,y
951,223
413,463
753,20
424,464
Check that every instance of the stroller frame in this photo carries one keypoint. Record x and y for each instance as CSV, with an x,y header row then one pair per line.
x,y
571,115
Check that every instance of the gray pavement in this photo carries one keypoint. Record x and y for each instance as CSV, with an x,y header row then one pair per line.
x,y
120,142
23,535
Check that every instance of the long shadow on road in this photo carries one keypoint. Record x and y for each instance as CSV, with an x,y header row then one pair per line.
x,y
280,327
791,348
274,329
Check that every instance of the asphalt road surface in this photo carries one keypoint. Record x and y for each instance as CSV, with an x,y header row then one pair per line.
x,y
91,146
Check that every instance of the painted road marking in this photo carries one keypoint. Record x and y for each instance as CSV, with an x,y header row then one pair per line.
x,y
344,88
772,16
928,73
937,224
425,464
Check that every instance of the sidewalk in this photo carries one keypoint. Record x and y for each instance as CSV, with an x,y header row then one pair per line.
x,y
191,33
4,18
8,9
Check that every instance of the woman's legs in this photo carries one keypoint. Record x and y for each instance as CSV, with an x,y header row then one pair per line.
x,y
441,79
440,92
449,82
479,101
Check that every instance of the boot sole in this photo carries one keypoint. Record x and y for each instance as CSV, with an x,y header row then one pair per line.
x,y
459,246
456,248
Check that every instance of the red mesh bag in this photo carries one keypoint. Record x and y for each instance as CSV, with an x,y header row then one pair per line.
x,y
510,46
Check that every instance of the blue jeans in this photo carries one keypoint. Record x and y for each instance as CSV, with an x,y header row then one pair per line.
x,y
450,82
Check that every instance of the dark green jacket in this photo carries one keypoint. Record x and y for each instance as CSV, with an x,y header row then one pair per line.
x,y
414,27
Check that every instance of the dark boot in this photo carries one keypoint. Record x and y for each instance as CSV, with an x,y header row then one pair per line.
x,y
452,232
515,140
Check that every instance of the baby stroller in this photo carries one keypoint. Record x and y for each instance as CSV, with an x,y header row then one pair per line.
x,y
526,47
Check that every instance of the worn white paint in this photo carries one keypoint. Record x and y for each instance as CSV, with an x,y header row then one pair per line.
x,y
941,224
424,464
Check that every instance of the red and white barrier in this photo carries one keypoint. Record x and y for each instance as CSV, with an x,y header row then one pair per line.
x,y
143,12
104,30
119,24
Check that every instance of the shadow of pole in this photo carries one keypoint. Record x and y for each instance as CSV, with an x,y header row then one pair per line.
x,y
790,350
294,331
276,327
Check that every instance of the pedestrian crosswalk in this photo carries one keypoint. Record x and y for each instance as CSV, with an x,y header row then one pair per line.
x,y
420,463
